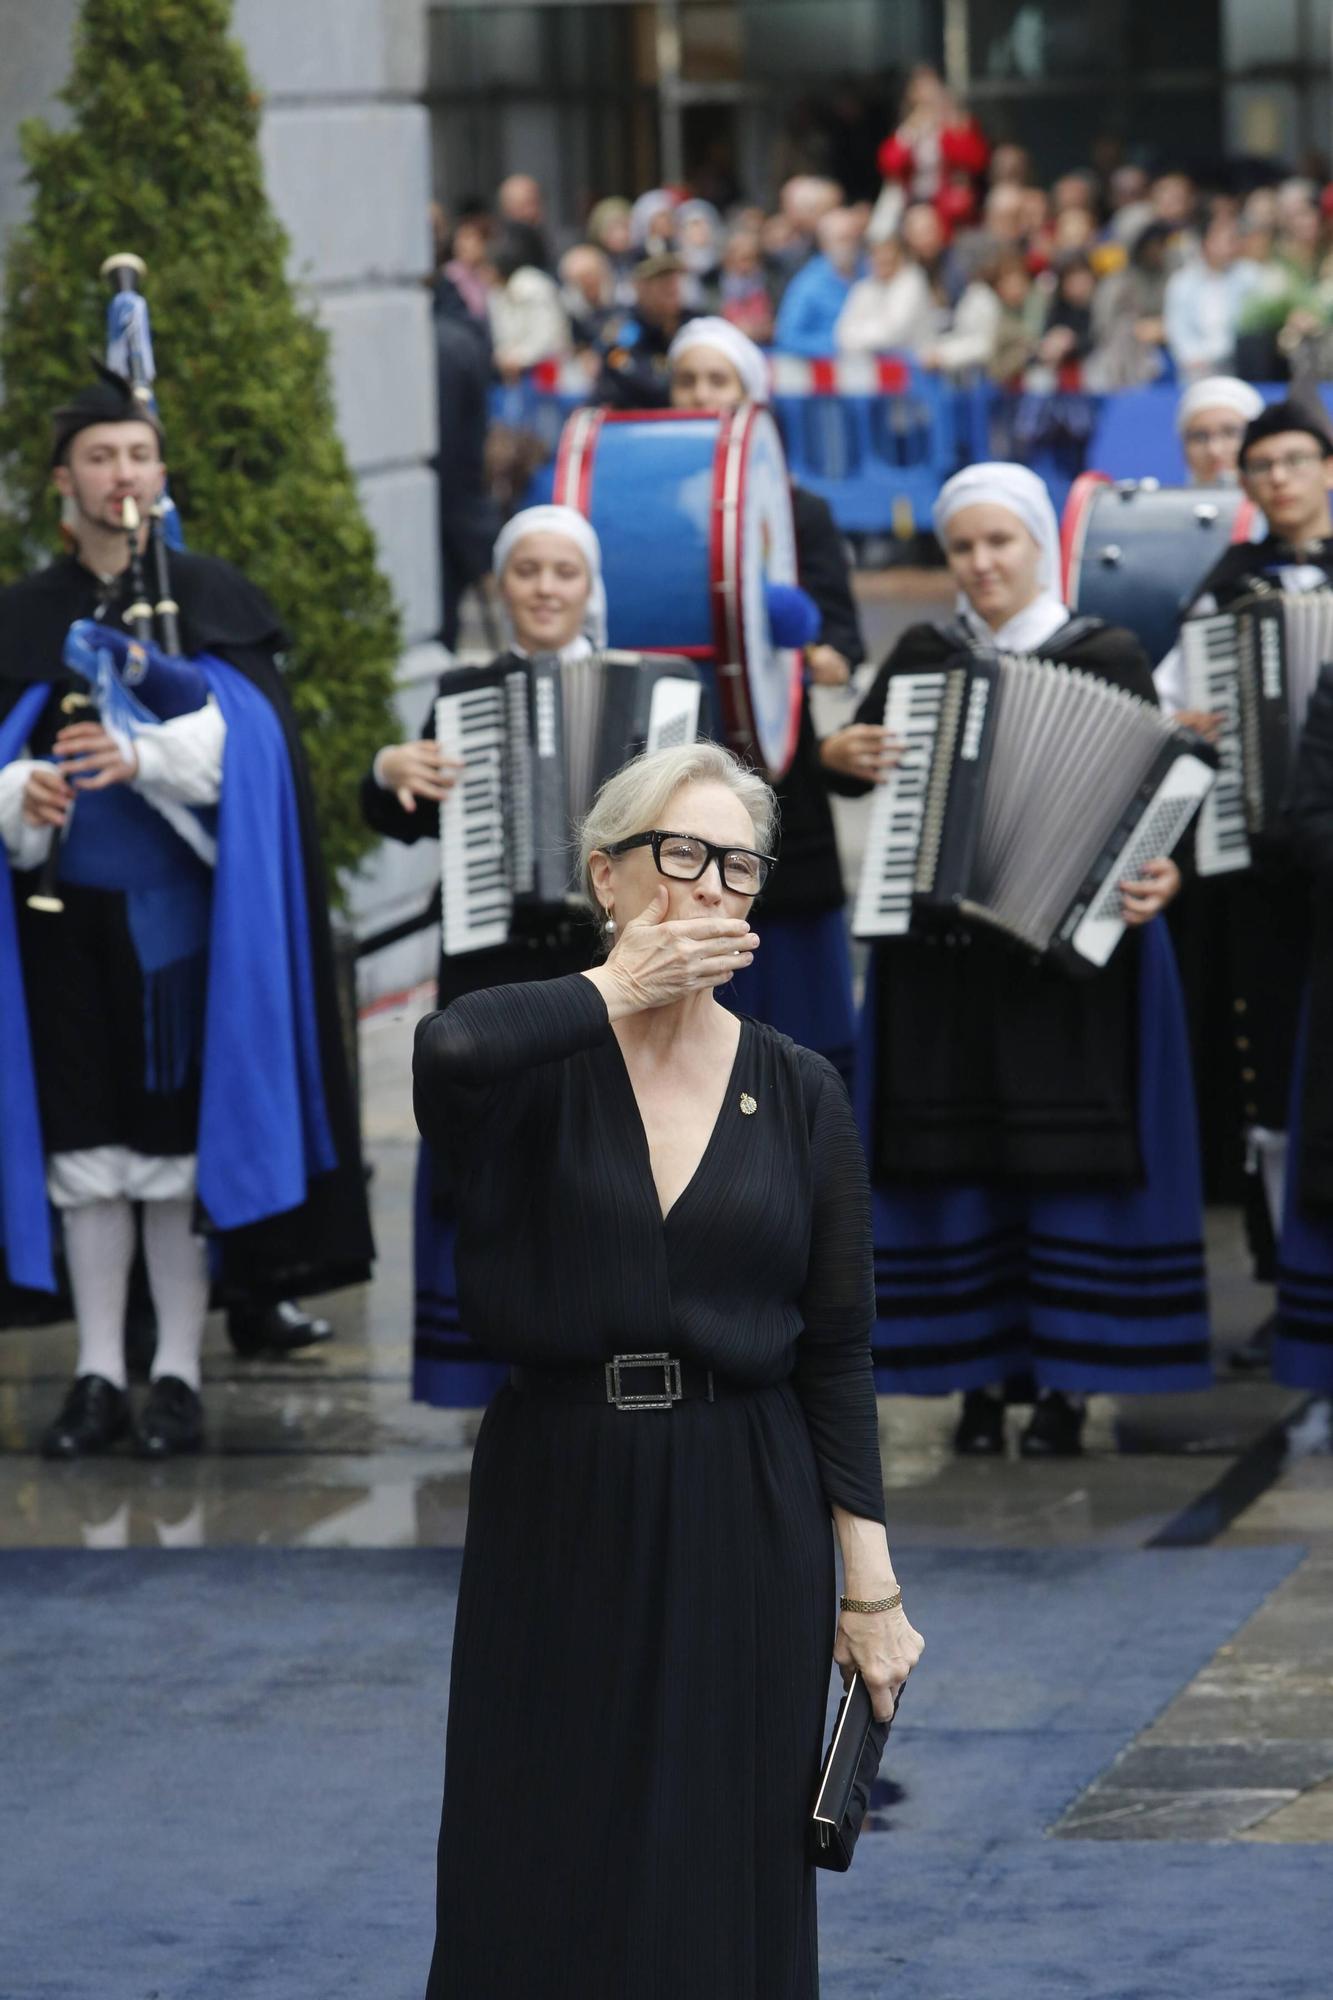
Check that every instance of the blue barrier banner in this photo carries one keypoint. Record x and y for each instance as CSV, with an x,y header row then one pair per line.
x,y
876,436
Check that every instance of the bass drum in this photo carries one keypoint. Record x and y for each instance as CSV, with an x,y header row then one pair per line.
x,y
1136,553
694,516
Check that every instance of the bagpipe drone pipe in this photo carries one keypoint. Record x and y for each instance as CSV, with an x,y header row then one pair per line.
x,y
129,682
1027,792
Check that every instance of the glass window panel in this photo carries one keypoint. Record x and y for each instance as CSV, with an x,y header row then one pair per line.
x,y
1257,32
799,41
1036,39
1262,119
1167,37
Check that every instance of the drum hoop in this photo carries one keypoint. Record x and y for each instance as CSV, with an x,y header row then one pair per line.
x,y
735,695
1074,529
572,485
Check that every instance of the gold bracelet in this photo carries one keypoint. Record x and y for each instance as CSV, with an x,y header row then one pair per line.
x,y
865,1604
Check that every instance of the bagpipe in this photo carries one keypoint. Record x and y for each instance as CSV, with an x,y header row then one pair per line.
x,y
136,677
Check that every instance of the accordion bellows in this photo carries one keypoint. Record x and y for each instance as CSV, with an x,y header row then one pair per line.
x,y
1026,794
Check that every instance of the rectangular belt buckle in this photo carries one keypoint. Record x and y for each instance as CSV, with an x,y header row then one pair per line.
x,y
662,1398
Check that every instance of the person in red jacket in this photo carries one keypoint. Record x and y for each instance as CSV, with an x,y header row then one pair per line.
x,y
938,152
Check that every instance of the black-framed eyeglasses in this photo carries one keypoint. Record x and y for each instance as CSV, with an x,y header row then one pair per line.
x,y
683,857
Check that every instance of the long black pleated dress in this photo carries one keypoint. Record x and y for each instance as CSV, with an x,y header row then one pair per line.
x,y
645,1618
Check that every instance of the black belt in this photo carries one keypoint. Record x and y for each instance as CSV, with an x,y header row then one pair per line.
x,y
628,1382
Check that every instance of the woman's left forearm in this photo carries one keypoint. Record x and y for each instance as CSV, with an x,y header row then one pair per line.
x,y
866,1563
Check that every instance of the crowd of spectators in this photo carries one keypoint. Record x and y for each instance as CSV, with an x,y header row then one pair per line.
x,y
1106,279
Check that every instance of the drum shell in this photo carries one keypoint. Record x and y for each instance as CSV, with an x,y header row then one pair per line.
x,y
693,512
1137,555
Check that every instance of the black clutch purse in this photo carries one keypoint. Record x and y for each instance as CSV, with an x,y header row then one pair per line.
x,y
854,1751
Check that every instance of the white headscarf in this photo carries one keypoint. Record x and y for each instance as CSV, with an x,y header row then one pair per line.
x,y
996,483
575,528
1218,392
740,350
645,208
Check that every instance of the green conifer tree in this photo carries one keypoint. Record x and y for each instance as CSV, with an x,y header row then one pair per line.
x,y
161,157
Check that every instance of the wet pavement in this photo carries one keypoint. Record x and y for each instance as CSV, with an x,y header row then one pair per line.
x,y
328,1450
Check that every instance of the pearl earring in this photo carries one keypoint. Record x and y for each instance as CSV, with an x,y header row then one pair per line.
x,y
609,927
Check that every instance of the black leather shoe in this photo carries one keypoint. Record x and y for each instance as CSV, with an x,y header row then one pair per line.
x,y
277,1329
1054,1430
980,1432
172,1420
94,1415
1254,1355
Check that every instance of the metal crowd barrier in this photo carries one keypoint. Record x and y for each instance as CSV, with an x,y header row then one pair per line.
x,y
876,436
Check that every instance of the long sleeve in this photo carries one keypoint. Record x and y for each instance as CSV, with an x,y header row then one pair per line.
x,y
809,310
821,562
180,762
970,341
869,709
25,845
381,811
487,1038
879,316
833,1375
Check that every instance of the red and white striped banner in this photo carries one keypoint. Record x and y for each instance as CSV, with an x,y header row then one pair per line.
x,y
563,377
837,375
788,374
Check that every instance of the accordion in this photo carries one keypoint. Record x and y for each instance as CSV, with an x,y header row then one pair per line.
x,y
1256,665
1026,794
536,738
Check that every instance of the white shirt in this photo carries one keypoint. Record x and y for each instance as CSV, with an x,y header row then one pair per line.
x,y
180,766
881,314
1169,674
1027,631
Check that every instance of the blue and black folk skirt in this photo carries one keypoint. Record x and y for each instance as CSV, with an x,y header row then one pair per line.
x,y
1303,1348
449,1370
1089,1290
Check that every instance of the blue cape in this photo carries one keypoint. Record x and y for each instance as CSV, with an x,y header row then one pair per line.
x,y
264,1130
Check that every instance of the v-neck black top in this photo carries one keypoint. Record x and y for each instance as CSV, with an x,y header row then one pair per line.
x,y
762,1268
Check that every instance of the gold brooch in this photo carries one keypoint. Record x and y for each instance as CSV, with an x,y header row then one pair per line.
x,y
748,1105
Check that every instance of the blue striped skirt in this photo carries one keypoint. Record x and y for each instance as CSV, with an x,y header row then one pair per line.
x,y
1303,1348
448,1369
1089,1291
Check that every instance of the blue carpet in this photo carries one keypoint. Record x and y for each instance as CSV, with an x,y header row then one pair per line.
x,y
221,1776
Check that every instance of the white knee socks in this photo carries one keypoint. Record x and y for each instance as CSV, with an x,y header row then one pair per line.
x,y
99,1250
177,1263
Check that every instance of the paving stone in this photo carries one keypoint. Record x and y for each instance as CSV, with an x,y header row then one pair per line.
x,y
1263,1765
1109,1813
1306,1820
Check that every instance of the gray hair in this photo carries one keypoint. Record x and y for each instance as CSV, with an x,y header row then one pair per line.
x,y
636,797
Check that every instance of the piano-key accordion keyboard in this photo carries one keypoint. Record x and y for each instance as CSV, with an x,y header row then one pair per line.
x,y
1256,665
537,737
1027,792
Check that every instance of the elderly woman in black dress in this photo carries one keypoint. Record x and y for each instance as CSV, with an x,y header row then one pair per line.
x,y
664,1229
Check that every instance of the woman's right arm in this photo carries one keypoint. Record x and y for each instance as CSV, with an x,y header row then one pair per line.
x,y
492,1037
486,1038
857,757
401,793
